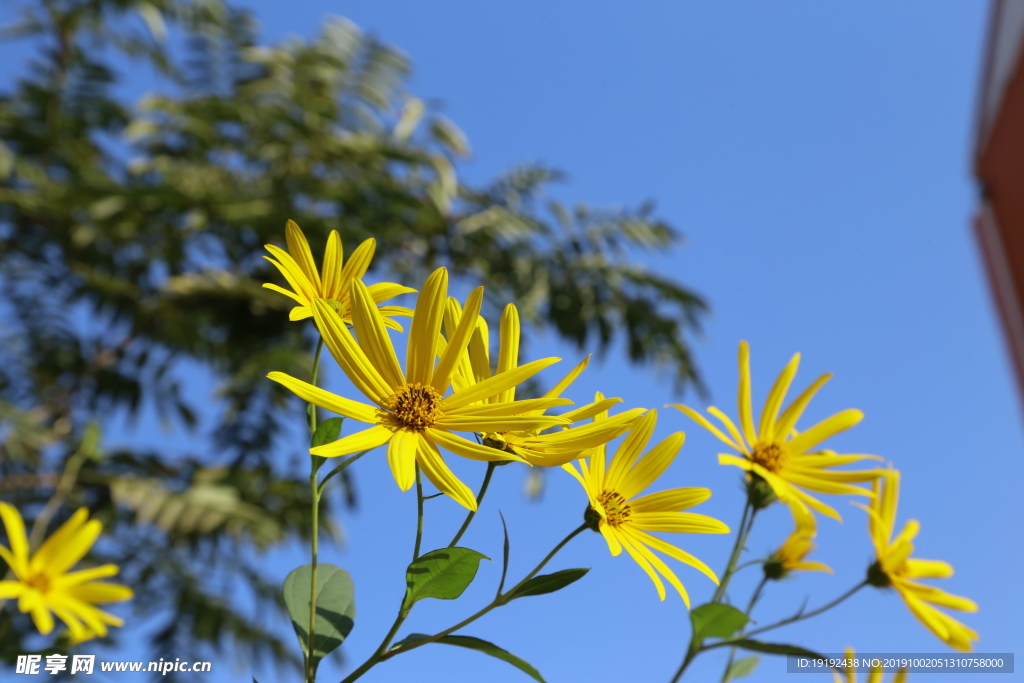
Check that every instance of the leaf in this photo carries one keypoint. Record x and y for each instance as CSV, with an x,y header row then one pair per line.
x,y
715,620
326,432
480,646
742,667
775,648
335,607
504,554
548,583
442,574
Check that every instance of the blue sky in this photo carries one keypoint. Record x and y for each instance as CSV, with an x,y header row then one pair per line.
x,y
817,158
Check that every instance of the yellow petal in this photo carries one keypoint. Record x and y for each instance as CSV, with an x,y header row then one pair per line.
x,y
928,569
591,409
426,326
675,553
825,429
569,378
495,385
672,500
775,398
703,422
630,449
382,291
365,440
524,407
83,575
349,355
298,247
332,267
660,566
795,409
644,564
281,290
437,472
293,275
11,589
678,523
729,425
508,349
99,593
42,618
441,376
498,423
16,538
611,537
743,395
402,457
300,313
651,466
468,449
373,336
59,539
325,399
358,263
75,549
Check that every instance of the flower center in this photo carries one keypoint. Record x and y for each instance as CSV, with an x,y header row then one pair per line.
x,y
770,456
415,406
616,509
40,582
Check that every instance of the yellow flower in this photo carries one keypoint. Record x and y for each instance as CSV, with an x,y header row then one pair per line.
x,y
875,676
550,449
625,520
792,554
894,567
333,284
412,414
44,584
787,460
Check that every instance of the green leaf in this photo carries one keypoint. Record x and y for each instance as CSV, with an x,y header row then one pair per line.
x,y
326,432
480,646
442,574
548,583
504,555
742,667
775,648
715,620
335,607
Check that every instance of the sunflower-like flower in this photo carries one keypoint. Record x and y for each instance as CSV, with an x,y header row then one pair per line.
x,y
43,585
896,568
875,675
788,461
333,283
545,449
792,554
411,413
625,520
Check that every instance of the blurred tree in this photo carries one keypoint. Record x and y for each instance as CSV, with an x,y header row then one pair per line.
x,y
130,243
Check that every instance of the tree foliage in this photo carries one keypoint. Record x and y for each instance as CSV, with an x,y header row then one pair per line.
x,y
130,240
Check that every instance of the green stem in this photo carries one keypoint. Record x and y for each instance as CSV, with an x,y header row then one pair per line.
x,y
750,608
746,524
383,653
314,489
800,616
419,515
491,466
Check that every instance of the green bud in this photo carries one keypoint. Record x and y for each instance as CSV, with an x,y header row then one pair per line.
x,y
760,492
877,576
774,569
592,518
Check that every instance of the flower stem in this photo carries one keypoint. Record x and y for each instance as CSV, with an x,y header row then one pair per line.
x,y
314,490
491,466
750,608
800,616
419,515
501,599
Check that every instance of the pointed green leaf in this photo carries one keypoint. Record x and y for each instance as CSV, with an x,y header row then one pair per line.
x,y
327,431
715,620
742,667
480,646
335,607
442,574
548,583
776,648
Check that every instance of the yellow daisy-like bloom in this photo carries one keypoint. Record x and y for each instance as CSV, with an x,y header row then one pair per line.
x,y
44,586
894,567
625,520
787,460
548,449
334,283
411,413
792,554
875,676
